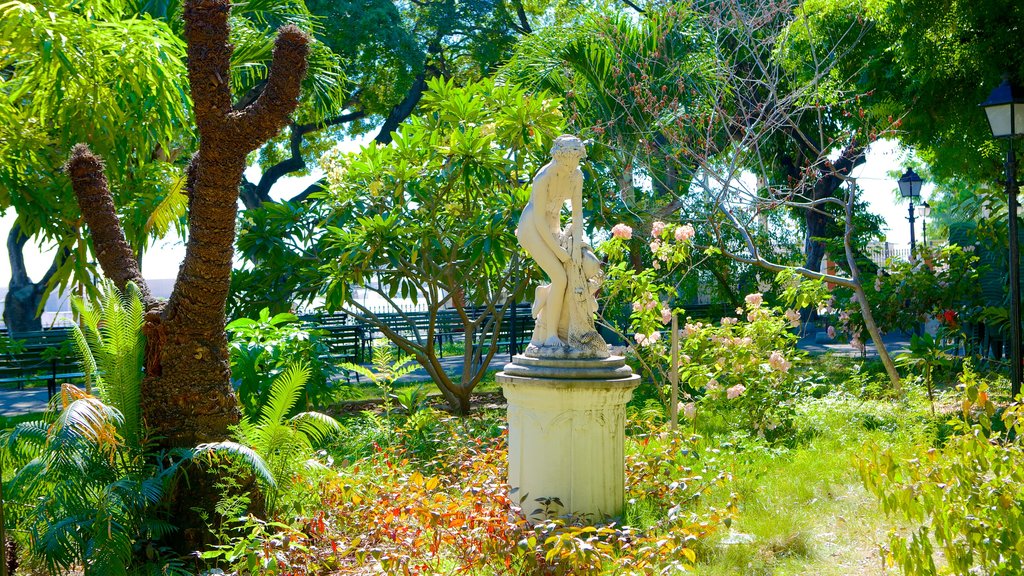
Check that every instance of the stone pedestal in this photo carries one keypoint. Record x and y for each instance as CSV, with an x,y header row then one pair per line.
x,y
566,427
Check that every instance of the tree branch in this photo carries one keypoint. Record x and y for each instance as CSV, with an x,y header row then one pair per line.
x,y
265,117
94,200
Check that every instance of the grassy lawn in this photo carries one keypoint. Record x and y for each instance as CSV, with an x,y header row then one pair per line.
x,y
804,510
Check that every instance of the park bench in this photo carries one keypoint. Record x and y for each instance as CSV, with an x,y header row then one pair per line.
x,y
47,356
342,342
708,312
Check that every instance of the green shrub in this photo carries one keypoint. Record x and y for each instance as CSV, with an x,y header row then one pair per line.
x,y
287,444
965,497
263,348
86,491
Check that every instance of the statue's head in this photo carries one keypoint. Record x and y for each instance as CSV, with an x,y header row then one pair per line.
x,y
568,148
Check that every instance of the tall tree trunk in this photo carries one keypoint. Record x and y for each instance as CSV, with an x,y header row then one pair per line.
x,y
24,297
187,387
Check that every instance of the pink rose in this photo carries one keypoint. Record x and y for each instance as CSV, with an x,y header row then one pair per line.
x,y
684,233
729,321
794,318
713,384
778,362
655,244
753,300
622,231
657,228
831,331
689,410
735,391
666,315
637,306
689,330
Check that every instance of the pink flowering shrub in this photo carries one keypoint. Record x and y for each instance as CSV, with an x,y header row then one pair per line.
x,y
622,231
745,370
742,370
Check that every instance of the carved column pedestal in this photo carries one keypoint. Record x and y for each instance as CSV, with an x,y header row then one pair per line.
x,y
566,427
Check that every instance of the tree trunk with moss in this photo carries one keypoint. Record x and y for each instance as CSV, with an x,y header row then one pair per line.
x,y
188,398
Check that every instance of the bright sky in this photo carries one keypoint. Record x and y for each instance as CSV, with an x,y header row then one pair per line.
x,y
878,186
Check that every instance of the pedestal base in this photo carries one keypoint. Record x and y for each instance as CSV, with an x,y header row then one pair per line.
x,y
566,426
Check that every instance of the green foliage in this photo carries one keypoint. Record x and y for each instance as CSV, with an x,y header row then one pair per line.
x,y
111,352
385,368
88,71
964,497
943,283
89,493
432,217
287,443
263,348
279,240
926,353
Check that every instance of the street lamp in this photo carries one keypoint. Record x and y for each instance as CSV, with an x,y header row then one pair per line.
x,y
910,187
922,212
1005,111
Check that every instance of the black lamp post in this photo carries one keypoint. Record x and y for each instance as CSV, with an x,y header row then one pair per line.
x,y
922,212
1005,110
910,187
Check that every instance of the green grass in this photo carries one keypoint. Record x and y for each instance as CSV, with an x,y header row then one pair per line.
x,y
804,510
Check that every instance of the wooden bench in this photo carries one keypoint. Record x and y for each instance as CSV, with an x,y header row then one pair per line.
x,y
47,356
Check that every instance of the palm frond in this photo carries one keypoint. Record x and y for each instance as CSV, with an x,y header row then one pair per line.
x,y
284,393
241,453
315,425
89,420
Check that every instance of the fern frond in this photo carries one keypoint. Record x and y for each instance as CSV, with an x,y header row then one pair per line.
x,y
361,370
284,393
315,426
238,452
86,361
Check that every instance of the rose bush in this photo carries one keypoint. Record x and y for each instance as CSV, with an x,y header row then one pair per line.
x,y
740,368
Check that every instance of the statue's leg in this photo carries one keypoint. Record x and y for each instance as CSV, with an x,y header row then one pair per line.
x,y
551,310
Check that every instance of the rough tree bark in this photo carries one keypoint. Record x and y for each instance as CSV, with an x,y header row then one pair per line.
x,y
21,305
188,395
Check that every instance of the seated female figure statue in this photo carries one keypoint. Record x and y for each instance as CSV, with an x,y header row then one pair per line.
x,y
540,233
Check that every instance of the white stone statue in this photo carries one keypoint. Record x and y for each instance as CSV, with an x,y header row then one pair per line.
x,y
564,309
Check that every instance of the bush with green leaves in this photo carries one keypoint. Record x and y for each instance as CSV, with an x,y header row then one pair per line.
x,y
942,283
966,498
85,490
432,218
287,444
740,367
263,348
